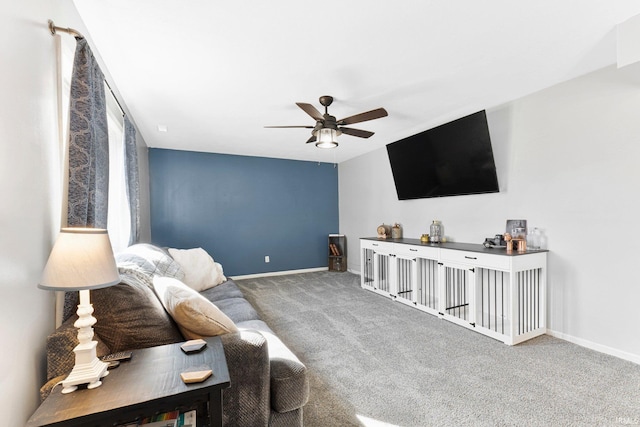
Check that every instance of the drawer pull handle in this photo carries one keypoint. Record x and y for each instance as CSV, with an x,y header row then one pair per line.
x,y
470,257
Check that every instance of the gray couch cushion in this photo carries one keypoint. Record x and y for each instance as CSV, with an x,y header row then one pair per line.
x,y
161,263
224,290
237,309
289,383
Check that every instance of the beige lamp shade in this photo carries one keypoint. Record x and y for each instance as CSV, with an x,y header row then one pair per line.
x,y
82,258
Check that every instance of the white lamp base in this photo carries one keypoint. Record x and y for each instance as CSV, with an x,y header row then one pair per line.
x,y
88,368
90,372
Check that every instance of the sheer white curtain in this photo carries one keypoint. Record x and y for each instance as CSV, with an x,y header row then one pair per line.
x,y
119,218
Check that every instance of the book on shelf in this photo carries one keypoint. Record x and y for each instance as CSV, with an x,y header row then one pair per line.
x,y
187,419
167,419
334,249
163,423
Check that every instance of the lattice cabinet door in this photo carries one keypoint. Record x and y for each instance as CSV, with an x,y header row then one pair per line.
x,y
405,278
366,267
376,268
457,290
382,273
493,302
427,285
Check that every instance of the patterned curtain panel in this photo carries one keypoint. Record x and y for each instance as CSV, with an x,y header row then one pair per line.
x,y
132,180
88,143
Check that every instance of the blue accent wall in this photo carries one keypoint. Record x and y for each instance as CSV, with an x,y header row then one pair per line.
x,y
241,208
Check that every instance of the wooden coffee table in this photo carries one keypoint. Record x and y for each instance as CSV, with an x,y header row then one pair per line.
x,y
147,384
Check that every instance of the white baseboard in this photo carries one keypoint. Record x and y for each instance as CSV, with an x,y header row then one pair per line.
x,y
595,346
279,273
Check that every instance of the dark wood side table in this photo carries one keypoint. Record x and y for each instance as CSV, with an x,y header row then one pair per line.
x,y
147,384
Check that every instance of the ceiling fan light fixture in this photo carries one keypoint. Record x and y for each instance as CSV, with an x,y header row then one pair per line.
x,y
327,138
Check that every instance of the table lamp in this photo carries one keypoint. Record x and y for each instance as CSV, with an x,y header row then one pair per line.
x,y
82,259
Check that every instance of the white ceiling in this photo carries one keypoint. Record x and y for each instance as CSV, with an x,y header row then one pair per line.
x,y
215,73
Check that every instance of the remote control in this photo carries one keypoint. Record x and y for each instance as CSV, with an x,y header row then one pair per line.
x,y
121,355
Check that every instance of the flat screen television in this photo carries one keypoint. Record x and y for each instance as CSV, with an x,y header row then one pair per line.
x,y
452,159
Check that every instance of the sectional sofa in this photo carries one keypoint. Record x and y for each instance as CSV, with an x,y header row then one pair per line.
x,y
269,384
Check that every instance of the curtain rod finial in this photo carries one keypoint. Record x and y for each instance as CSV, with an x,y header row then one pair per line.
x,y
52,27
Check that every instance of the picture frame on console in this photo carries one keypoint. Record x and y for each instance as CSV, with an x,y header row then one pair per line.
x,y
517,228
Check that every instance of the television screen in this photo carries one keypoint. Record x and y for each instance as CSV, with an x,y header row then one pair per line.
x,y
449,160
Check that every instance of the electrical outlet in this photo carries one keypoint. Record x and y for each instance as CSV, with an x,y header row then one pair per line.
x,y
266,258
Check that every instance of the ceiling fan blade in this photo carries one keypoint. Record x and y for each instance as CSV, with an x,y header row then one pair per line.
x,y
356,132
310,110
363,117
306,127
312,139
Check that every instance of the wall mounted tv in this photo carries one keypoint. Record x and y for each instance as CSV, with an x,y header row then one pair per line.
x,y
449,160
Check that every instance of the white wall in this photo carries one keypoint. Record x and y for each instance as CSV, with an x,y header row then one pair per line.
x,y
568,161
30,189
29,218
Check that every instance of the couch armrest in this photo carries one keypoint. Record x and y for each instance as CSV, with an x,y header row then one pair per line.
x,y
246,402
289,381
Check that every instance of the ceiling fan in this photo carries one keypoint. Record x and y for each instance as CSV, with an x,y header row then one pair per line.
x,y
327,128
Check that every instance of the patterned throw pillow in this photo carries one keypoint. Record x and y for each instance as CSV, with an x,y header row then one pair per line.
x,y
163,264
130,316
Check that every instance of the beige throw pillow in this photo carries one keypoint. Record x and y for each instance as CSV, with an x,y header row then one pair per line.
x,y
196,316
200,270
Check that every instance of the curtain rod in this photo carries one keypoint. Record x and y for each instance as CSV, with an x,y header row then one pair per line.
x,y
76,33
53,29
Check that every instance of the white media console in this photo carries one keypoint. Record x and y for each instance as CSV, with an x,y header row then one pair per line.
x,y
499,294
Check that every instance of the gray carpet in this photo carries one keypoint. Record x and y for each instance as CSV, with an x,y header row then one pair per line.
x,y
372,359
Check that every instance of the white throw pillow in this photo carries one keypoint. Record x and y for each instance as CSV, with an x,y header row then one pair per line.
x,y
200,270
196,316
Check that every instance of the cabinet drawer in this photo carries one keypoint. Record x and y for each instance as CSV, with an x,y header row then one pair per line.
x,y
498,262
419,251
385,247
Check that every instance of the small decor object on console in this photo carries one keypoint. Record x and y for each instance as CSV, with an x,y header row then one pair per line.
x,y
522,245
396,231
494,242
82,259
436,231
509,240
517,228
534,238
384,231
